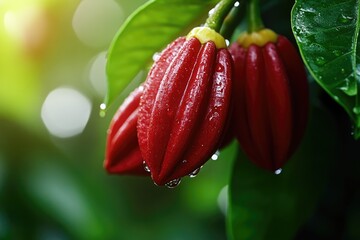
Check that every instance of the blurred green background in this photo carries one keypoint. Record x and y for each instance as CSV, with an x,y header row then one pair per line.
x,y
52,139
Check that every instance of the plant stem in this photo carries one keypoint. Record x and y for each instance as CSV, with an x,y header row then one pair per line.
x,y
254,16
218,14
232,20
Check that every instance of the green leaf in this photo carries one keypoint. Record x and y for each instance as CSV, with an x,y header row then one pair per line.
x,y
327,33
146,32
263,205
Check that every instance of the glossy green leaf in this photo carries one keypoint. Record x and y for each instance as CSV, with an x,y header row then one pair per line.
x,y
264,205
327,33
146,32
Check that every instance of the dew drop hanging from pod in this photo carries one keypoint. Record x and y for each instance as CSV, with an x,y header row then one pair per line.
x,y
270,93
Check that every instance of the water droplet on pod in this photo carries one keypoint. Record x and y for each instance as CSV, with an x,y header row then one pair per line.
x,y
173,183
278,171
227,42
219,68
146,167
194,173
156,56
215,156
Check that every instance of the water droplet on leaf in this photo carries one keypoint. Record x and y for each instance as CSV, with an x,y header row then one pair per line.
x,y
278,171
320,60
337,52
102,112
357,71
345,19
349,87
308,10
356,110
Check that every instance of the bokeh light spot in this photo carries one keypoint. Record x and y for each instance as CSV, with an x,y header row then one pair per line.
x,y
65,112
97,74
95,22
10,23
30,27
223,199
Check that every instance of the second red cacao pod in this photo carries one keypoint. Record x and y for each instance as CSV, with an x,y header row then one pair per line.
x,y
271,98
123,155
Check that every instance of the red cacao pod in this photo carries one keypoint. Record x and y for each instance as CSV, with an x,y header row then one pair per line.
x,y
271,97
184,107
122,150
